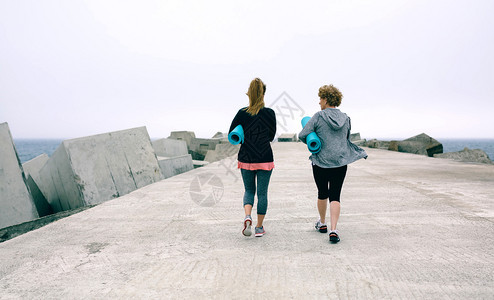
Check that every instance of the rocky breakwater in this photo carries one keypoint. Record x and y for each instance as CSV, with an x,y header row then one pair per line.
x,y
423,144
356,139
467,155
374,143
420,144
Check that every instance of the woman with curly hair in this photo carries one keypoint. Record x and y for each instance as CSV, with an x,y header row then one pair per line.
x,y
255,157
329,165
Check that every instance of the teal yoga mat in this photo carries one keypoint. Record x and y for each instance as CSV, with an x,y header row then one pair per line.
x,y
313,141
236,136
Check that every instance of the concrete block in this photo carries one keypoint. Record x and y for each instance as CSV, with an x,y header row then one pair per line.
x,y
31,171
421,144
360,142
220,135
35,165
199,163
393,145
198,147
355,137
212,156
467,155
378,144
221,151
16,203
186,136
91,170
171,166
42,205
223,137
287,137
372,143
170,147
58,182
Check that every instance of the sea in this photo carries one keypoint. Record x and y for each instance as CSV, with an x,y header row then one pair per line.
x,y
454,145
28,149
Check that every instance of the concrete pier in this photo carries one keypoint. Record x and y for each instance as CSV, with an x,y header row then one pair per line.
x,y
412,227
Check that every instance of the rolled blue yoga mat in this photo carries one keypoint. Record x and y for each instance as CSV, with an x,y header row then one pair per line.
x,y
236,136
313,141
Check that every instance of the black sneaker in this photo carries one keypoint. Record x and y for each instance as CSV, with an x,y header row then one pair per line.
x,y
334,236
323,228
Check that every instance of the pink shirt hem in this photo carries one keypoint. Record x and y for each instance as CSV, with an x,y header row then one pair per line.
x,y
267,166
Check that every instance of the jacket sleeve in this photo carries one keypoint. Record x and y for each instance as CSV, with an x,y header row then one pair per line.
x,y
309,127
235,122
349,128
272,126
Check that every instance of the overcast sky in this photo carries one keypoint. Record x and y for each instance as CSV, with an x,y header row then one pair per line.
x,y
76,68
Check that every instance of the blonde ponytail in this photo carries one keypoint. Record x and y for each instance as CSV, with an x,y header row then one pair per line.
x,y
256,92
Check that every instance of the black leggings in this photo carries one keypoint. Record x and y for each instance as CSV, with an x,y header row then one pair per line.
x,y
329,182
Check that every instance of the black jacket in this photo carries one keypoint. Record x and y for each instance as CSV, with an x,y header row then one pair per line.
x,y
259,131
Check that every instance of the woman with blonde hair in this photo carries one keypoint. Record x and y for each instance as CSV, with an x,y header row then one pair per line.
x,y
329,165
255,157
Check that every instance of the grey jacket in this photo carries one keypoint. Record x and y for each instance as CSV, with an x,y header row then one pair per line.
x,y
333,129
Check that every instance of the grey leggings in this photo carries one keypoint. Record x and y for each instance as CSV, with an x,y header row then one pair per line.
x,y
249,177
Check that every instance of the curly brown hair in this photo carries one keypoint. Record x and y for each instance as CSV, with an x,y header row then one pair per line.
x,y
332,95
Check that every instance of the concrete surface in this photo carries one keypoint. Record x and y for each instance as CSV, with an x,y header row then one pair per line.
x,y
20,229
90,170
16,203
412,227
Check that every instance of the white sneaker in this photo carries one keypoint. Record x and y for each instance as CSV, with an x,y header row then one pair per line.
x,y
247,226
